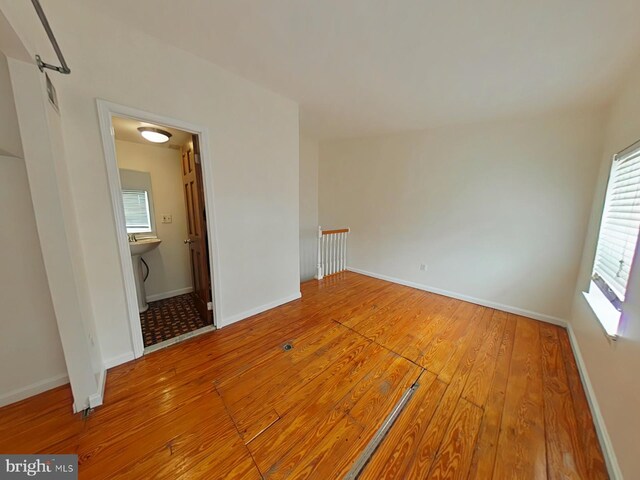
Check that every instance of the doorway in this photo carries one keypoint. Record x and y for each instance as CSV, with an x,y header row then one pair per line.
x,y
161,201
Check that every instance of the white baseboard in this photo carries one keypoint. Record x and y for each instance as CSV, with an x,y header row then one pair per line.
x,y
96,399
172,293
478,301
33,389
118,360
603,436
254,311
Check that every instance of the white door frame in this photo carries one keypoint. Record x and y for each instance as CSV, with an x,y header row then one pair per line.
x,y
105,111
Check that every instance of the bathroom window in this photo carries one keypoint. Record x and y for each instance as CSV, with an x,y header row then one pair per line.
x,y
136,211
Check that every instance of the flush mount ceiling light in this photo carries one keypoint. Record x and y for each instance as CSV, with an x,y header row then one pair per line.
x,y
155,135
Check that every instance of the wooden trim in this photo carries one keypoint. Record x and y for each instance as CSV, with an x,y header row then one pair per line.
x,y
333,232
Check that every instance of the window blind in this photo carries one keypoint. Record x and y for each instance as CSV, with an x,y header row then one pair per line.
x,y
620,223
136,210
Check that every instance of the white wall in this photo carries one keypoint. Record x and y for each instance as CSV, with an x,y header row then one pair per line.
x,y
253,140
169,263
497,211
30,349
56,221
613,366
309,151
10,143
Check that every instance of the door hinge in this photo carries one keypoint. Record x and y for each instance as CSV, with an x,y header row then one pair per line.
x,y
209,305
196,158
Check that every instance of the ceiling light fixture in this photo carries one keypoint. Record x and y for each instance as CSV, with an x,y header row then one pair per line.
x,y
155,135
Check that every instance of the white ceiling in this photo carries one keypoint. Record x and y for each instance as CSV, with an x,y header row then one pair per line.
x,y
127,129
369,66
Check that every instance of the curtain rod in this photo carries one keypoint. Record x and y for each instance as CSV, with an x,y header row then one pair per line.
x,y
64,68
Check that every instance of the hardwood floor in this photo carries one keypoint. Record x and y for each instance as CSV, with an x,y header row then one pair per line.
x,y
499,396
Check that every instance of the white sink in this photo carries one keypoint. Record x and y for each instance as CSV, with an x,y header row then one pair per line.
x,y
138,248
143,245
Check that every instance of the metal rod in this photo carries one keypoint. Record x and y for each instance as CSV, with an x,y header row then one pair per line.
x,y
372,446
64,68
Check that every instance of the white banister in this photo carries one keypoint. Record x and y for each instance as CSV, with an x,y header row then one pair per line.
x,y
343,245
329,263
344,253
332,254
319,270
332,251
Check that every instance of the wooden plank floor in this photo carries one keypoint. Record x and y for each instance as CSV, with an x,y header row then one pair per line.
x,y
499,396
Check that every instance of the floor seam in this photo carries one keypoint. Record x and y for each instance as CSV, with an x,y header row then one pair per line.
x,y
235,425
380,344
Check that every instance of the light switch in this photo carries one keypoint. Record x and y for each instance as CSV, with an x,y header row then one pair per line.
x,y
167,218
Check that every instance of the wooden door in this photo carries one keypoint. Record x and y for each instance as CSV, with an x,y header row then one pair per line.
x,y
197,238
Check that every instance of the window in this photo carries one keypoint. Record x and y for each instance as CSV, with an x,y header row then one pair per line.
x,y
136,211
617,240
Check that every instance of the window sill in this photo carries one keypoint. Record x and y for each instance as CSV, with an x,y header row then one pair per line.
x,y
608,316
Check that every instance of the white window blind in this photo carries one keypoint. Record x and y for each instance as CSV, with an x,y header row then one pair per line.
x,y
136,211
620,223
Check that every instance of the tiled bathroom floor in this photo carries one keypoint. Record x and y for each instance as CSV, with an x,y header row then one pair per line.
x,y
168,318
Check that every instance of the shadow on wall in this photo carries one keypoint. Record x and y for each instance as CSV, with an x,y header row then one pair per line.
x,y
308,253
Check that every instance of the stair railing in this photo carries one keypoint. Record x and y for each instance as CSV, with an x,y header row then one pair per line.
x,y
332,251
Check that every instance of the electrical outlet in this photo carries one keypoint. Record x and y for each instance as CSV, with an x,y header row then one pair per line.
x,y
167,218
423,267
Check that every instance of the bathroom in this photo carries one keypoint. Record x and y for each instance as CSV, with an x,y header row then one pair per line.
x,y
162,200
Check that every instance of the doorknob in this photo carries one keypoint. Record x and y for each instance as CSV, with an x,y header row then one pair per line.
x,y
188,241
